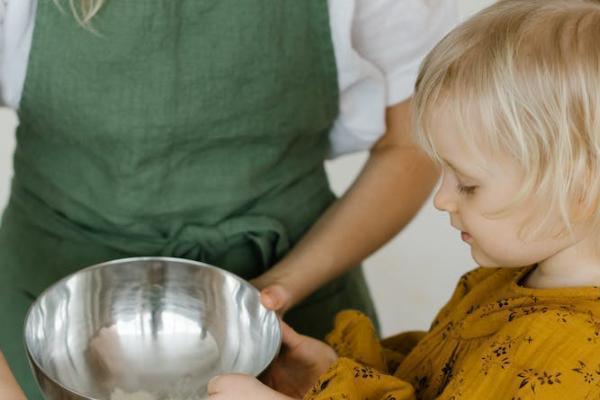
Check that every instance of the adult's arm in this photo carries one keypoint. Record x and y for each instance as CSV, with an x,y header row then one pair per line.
x,y
393,185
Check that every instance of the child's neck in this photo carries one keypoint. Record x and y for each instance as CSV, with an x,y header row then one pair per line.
x,y
575,266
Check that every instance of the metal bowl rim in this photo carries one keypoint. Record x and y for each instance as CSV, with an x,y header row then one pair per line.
x,y
121,261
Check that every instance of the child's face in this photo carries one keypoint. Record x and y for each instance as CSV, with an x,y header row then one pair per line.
x,y
475,187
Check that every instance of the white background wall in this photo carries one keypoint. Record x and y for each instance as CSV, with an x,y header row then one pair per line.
x,y
411,277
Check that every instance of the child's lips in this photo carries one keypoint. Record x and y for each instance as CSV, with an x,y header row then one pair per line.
x,y
465,237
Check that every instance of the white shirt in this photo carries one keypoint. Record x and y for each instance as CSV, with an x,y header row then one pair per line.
x,y
378,44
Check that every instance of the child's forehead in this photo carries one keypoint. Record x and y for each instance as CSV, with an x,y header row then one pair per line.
x,y
462,145
450,128
469,164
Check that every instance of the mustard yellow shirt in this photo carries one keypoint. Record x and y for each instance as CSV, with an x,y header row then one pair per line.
x,y
495,339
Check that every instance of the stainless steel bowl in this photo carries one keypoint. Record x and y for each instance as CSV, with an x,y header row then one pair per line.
x,y
147,328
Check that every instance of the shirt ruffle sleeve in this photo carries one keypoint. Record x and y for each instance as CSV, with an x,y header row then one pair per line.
x,y
350,380
365,367
354,336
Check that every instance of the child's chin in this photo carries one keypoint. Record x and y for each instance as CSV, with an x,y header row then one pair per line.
x,y
484,260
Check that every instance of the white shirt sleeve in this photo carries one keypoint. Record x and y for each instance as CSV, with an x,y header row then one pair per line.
x,y
16,30
3,4
379,46
396,35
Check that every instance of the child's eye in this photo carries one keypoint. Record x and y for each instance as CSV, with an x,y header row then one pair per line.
x,y
467,190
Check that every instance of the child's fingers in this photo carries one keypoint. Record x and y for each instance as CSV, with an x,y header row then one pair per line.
x,y
224,382
215,384
289,336
239,386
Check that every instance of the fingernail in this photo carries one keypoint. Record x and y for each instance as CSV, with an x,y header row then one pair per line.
x,y
274,304
267,300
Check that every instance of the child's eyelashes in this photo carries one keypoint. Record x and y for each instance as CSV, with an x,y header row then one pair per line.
x,y
466,190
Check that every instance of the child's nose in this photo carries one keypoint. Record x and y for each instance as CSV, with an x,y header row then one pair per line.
x,y
444,199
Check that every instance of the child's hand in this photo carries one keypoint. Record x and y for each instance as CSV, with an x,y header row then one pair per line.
x,y
9,389
237,386
299,365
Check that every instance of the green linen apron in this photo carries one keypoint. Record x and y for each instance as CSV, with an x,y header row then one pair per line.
x,y
188,128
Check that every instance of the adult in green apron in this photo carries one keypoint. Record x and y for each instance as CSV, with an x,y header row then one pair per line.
x,y
193,129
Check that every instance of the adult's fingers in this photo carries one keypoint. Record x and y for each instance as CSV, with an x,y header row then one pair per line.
x,y
275,297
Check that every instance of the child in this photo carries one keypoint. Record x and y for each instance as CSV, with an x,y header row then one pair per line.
x,y
509,104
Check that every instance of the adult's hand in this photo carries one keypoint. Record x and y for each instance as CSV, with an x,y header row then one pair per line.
x,y
394,183
9,388
275,294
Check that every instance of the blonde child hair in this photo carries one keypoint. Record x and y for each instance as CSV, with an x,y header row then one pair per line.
x,y
530,89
